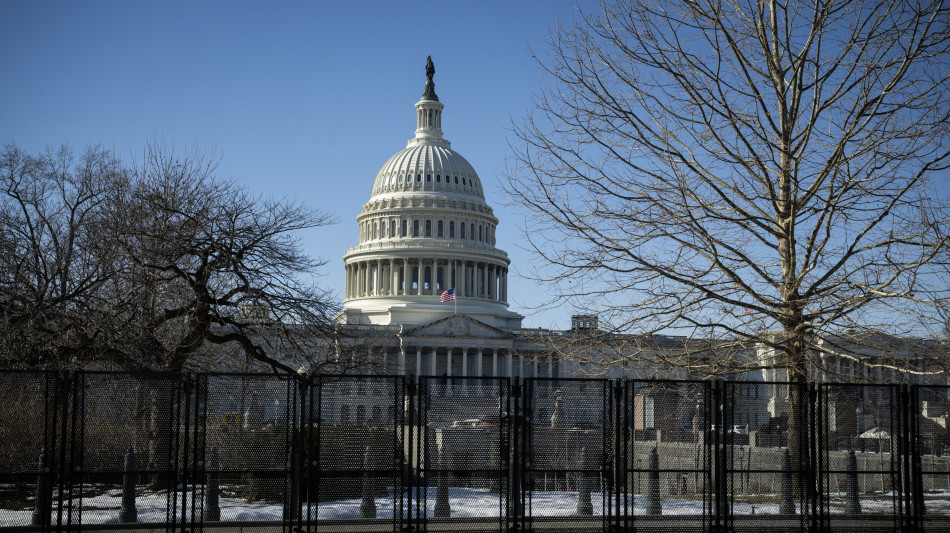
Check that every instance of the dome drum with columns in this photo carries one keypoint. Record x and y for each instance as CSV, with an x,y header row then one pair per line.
x,y
426,229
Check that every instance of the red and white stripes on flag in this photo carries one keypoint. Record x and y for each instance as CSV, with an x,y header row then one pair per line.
x,y
447,296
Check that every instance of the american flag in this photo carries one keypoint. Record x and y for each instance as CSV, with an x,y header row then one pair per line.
x,y
447,296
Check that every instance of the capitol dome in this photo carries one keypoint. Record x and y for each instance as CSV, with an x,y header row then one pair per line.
x,y
425,230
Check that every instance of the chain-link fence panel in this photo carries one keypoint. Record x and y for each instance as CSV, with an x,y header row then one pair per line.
x,y
464,471
932,410
663,459
29,412
245,464
567,425
858,445
128,442
354,453
764,443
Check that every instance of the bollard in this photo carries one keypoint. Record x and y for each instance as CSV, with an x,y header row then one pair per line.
x,y
515,507
212,511
851,504
786,500
442,509
127,513
584,505
654,507
44,497
368,505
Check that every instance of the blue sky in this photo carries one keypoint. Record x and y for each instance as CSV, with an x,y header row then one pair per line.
x,y
304,100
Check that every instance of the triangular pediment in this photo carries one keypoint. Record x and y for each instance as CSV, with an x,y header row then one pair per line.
x,y
456,326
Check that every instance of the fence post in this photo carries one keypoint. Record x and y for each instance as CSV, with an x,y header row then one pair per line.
x,y
654,507
786,505
368,505
128,514
584,506
212,509
442,509
44,496
851,504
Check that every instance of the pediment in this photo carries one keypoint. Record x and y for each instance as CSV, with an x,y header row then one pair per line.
x,y
456,326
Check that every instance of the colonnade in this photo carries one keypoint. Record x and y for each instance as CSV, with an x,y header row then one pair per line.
x,y
454,361
427,276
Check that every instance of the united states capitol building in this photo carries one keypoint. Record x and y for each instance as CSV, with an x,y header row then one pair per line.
x,y
426,230
427,289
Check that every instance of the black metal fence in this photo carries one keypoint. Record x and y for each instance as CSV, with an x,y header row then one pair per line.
x,y
108,451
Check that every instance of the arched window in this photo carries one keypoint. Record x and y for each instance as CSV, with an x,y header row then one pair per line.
x,y
451,229
428,178
461,230
428,279
438,178
428,228
415,228
418,178
405,226
440,229
375,230
456,180
471,231
480,233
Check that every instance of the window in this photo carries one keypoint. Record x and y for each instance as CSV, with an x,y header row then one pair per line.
x,y
405,225
438,178
479,232
471,231
462,230
456,180
428,228
392,227
440,229
428,178
415,228
375,230
451,229
418,178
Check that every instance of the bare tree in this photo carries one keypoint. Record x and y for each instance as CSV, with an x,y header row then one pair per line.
x,y
744,173
155,265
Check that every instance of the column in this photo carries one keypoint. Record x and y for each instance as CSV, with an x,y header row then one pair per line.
x,y
510,365
349,284
481,362
494,362
418,363
420,277
448,371
378,278
405,275
491,284
433,361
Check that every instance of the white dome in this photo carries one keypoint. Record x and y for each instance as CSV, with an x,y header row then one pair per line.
x,y
428,167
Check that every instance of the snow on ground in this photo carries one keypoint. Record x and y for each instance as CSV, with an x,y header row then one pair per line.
x,y
463,502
